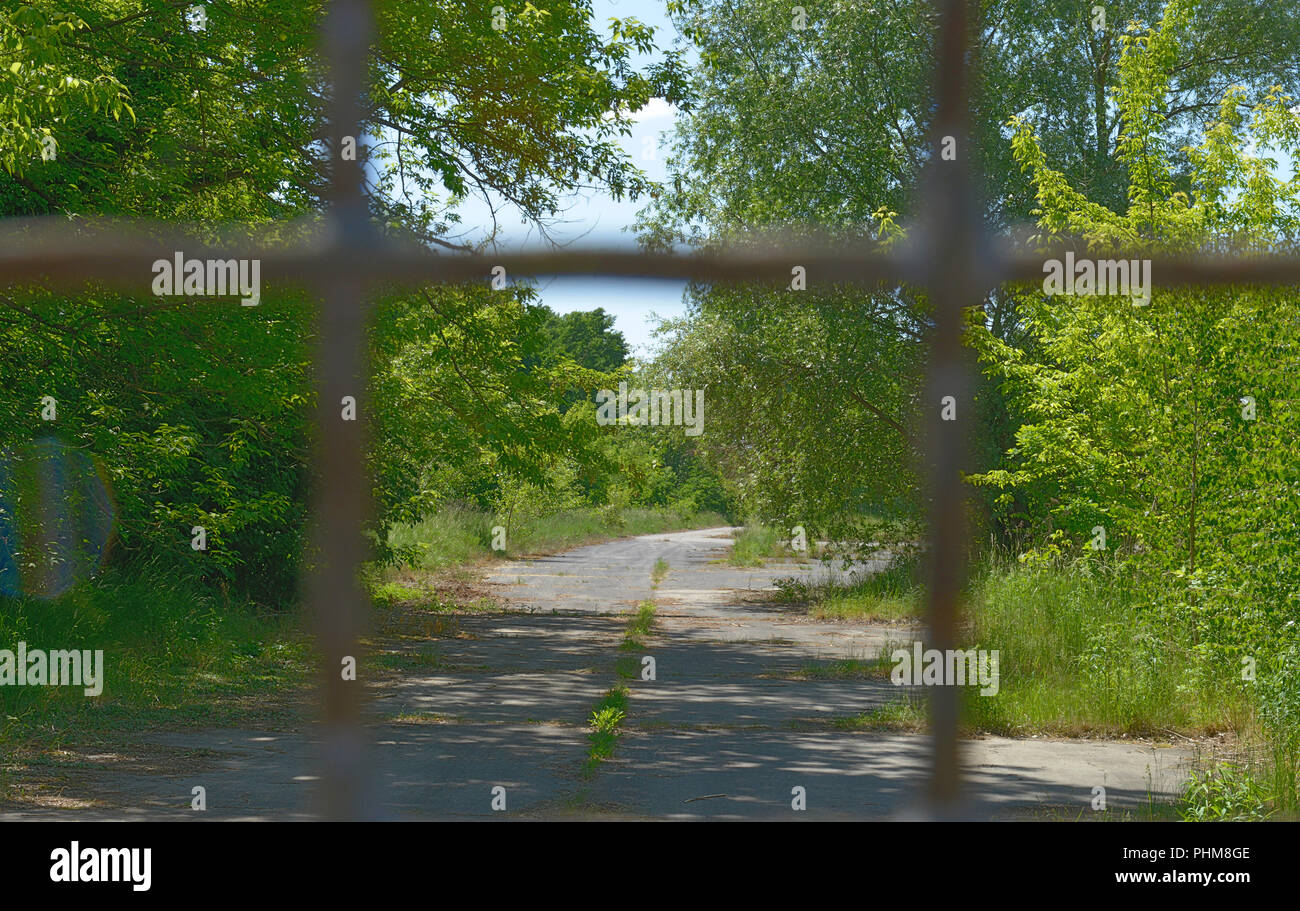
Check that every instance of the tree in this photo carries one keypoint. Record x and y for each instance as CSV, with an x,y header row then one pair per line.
x,y
822,123
201,411
1172,426
586,337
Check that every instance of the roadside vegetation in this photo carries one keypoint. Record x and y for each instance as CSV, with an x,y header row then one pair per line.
x,y
174,655
754,545
1086,650
894,594
458,535
198,419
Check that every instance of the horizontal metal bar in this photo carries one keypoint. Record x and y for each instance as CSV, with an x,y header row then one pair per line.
x,y
54,250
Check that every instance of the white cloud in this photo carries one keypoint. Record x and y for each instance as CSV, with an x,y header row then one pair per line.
x,y
655,109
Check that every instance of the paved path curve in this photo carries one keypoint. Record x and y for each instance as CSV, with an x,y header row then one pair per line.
x,y
731,725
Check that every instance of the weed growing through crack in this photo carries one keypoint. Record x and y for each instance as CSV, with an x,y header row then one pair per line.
x,y
657,574
609,713
639,627
604,721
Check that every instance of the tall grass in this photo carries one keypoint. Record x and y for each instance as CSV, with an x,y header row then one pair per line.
x,y
172,654
457,535
893,594
1084,651
755,544
1082,648
1087,648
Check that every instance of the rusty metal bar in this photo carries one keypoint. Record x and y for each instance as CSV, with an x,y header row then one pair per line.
x,y
49,249
342,488
952,229
53,250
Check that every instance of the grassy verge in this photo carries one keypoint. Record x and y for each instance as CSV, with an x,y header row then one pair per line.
x,y
178,656
894,594
755,544
1083,654
458,536
1080,653
172,657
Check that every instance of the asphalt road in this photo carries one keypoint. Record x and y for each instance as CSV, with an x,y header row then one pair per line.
x,y
733,726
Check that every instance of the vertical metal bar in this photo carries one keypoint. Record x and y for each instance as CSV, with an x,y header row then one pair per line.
x,y
340,497
951,233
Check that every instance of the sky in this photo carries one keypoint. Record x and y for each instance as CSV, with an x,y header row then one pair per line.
x,y
597,219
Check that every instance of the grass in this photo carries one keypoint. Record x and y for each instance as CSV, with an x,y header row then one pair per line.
x,y
609,713
180,655
1254,779
907,716
1082,654
429,596
628,666
1226,792
639,626
755,544
848,669
604,722
457,536
659,572
894,594
173,656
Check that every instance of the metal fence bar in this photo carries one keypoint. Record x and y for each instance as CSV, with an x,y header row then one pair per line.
x,y
342,486
951,227
50,249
